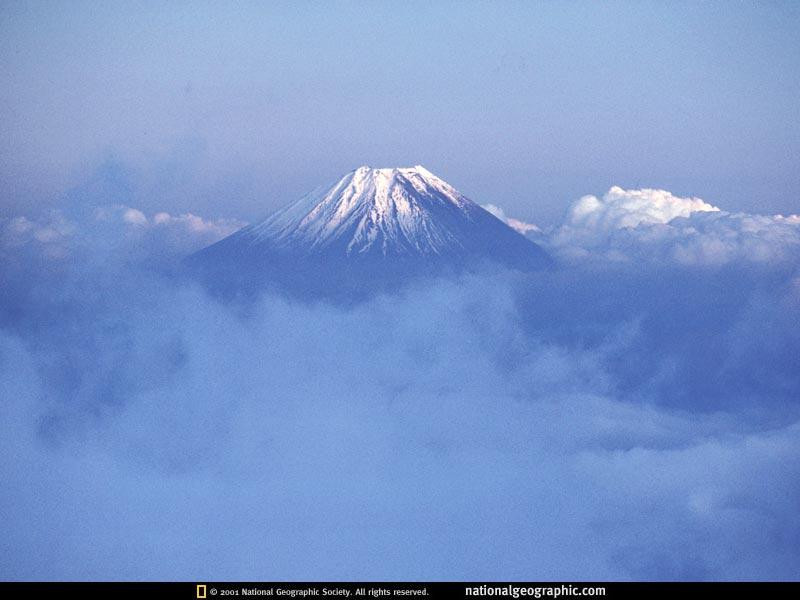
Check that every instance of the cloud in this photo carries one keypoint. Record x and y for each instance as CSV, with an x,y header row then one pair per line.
x,y
134,217
703,238
596,422
620,208
127,229
177,437
728,237
21,230
655,226
519,226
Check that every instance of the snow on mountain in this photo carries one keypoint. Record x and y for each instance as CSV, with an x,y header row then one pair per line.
x,y
374,223
372,210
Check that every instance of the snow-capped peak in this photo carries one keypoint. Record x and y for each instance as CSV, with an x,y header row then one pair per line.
x,y
382,210
372,224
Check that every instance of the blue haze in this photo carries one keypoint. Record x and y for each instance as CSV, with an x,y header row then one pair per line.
x,y
631,413
526,105
601,419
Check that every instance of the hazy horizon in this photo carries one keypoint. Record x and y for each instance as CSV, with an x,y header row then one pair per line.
x,y
233,111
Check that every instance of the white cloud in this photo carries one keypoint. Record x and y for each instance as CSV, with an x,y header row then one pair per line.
x,y
590,423
216,228
50,236
468,438
620,208
134,217
727,237
702,238
128,229
657,226
519,226
20,230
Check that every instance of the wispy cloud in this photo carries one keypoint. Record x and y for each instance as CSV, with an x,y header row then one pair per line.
x,y
638,421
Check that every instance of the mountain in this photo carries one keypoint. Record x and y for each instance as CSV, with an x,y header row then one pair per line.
x,y
372,229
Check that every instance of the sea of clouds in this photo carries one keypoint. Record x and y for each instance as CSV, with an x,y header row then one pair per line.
x,y
632,413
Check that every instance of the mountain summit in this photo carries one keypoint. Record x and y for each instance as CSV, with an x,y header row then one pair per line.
x,y
372,226
402,212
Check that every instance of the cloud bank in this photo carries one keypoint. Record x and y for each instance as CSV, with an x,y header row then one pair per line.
x,y
655,226
628,208
611,419
117,229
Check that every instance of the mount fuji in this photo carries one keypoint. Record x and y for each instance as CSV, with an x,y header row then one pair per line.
x,y
372,229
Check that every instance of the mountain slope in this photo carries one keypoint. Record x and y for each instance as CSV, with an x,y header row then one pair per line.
x,y
371,228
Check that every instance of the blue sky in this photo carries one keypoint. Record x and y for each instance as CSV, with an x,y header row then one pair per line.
x,y
244,107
